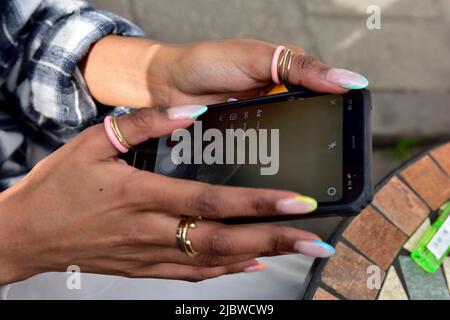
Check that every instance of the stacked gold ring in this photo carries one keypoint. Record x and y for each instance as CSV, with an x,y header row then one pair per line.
x,y
118,133
284,65
183,243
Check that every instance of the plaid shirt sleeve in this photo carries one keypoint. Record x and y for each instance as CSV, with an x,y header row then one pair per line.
x,y
44,100
41,43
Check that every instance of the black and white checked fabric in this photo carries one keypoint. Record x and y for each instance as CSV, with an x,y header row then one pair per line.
x,y
44,100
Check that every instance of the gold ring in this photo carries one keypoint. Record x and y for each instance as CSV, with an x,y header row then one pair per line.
x,y
284,65
183,243
118,133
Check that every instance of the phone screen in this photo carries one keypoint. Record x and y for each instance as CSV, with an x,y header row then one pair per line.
x,y
309,153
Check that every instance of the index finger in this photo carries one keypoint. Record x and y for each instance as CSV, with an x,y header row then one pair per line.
x,y
140,126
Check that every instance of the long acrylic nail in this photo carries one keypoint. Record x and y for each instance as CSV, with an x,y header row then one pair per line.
x,y
315,248
255,268
297,204
186,112
347,79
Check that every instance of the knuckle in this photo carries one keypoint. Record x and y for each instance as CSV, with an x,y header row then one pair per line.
x,y
207,202
116,240
127,187
126,192
131,190
209,260
86,138
41,169
92,131
261,206
306,63
132,237
275,240
220,244
142,119
230,269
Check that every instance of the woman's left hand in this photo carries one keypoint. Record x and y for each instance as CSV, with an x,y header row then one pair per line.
x,y
139,73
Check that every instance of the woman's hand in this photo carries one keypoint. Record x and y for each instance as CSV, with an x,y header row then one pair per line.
x,y
143,73
83,206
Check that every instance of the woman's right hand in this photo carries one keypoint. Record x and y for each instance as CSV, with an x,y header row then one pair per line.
x,y
83,206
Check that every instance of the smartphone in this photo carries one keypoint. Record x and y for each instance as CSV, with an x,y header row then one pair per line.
x,y
316,144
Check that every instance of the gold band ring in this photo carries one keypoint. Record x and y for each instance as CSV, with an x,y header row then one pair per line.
x,y
118,133
284,65
183,243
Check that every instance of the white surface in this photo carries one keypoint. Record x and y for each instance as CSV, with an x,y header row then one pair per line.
x,y
441,240
282,280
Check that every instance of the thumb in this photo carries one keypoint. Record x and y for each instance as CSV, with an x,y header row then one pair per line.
x,y
309,72
142,125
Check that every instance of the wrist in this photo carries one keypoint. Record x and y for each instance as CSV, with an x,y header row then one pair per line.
x,y
126,71
18,251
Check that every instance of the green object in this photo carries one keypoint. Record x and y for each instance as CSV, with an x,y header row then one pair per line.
x,y
404,148
435,244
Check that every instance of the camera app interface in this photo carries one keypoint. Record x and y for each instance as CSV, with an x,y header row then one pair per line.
x,y
308,146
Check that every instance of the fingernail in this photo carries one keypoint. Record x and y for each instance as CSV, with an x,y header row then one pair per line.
x,y
186,112
232,100
315,248
347,79
298,204
255,268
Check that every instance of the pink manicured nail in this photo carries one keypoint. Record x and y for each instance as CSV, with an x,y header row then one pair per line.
x,y
347,79
255,268
186,112
297,204
315,248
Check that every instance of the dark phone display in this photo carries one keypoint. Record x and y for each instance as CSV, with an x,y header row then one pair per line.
x,y
310,157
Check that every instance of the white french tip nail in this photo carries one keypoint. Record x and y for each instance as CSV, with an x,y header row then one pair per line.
x,y
186,112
